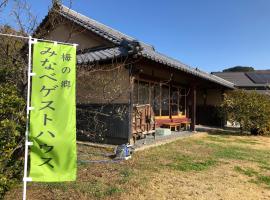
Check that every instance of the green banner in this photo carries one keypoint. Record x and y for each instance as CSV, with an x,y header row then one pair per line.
x,y
53,155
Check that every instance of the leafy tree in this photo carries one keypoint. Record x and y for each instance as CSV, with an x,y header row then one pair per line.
x,y
239,69
12,122
249,108
12,109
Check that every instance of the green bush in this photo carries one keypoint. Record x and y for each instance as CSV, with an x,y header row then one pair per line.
x,y
12,108
12,129
250,109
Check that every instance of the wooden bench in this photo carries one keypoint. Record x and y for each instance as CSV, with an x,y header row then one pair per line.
x,y
172,126
186,125
175,122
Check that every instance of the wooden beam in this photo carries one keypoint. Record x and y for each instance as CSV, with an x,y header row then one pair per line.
x,y
178,100
149,93
193,107
138,91
131,96
185,102
160,99
170,105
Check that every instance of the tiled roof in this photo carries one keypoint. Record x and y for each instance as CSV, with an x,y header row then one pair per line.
x,y
117,37
101,55
163,59
260,76
240,79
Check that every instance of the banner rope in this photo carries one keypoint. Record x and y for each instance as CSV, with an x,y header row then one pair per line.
x,y
36,39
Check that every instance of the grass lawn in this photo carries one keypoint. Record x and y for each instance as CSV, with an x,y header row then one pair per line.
x,y
199,167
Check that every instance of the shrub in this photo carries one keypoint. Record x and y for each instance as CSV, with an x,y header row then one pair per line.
x,y
250,109
12,129
12,108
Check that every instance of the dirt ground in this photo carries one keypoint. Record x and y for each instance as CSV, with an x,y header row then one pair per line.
x,y
204,166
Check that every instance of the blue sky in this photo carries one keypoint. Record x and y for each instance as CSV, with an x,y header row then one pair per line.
x,y
208,34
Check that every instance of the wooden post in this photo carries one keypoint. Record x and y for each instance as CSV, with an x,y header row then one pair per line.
x,y
170,105
185,101
149,93
131,90
224,117
193,107
160,99
178,101
138,91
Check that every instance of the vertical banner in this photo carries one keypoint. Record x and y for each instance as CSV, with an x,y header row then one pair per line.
x,y
53,114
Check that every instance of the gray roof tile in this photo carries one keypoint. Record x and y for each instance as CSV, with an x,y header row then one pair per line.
x,y
163,59
240,79
101,55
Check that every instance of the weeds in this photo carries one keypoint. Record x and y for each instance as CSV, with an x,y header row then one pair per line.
x,y
188,163
258,177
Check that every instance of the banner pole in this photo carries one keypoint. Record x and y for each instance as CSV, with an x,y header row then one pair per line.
x,y
28,108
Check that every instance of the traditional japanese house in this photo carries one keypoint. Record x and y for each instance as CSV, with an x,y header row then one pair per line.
x,y
125,87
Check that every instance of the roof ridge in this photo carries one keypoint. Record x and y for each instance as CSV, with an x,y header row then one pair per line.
x,y
100,48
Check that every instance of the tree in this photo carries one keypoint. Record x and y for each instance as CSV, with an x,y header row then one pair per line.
x,y
249,108
239,69
12,120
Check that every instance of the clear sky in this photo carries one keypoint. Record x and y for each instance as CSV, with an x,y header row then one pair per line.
x,y
208,34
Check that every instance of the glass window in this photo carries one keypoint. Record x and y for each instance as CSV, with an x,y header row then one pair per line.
x,y
143,93
174,101
182,100
135,92
155,98
165,100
